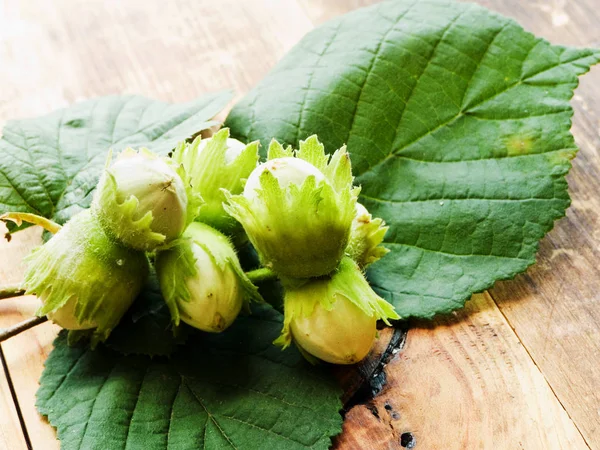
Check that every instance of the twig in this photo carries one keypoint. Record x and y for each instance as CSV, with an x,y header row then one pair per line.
x,y
9,332
262,274
11,291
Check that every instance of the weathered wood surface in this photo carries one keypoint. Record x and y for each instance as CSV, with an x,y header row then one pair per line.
x,y
11,436
463,382
516,372
25,354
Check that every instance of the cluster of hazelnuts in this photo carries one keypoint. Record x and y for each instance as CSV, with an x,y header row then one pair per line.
x,y
187,214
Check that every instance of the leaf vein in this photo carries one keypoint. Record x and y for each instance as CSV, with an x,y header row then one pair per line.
x,y
209,414
310,78
137,401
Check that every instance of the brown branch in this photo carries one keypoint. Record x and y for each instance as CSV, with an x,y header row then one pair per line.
x,y
11,291
9,332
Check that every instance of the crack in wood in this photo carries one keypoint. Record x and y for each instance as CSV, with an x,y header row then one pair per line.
x,y
374,381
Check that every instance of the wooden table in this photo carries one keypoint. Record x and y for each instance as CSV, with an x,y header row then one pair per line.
x,y
519,368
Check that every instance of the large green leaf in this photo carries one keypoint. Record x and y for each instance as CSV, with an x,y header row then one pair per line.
x,y
233,390
50,165
457,122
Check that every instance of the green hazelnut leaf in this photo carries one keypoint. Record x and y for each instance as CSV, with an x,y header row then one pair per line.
x,y
457,123
230,390
50,165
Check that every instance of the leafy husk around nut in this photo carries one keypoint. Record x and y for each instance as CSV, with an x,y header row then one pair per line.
x,y
297,209
202,281
334,318
214,164
142,200
85,279
366,236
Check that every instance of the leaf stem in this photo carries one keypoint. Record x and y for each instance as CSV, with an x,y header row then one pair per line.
x,y
19,218
262,274
11,291
9,332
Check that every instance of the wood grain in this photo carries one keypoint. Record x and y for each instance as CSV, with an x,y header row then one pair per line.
x,y
25,354
56,53
11,434
463,382
467,381
322,10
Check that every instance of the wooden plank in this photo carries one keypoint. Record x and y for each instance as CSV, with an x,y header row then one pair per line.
x,y
56,53
462,382
11,434
322,10
25,354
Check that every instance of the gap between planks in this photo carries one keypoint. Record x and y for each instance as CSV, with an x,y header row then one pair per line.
x,y
525,347
24,354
